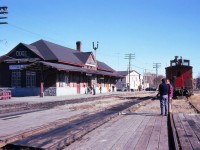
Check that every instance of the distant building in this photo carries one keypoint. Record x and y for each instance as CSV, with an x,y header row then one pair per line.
x,y
45,68
136,81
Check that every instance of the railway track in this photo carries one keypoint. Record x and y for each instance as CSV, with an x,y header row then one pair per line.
x,y
183,128
25,107
9,110
58,134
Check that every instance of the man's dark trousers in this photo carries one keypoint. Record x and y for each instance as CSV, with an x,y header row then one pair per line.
x,y
164,104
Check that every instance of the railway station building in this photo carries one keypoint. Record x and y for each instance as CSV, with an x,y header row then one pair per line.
x,y
48,69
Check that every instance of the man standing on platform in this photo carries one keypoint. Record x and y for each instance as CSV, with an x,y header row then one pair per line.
x,y
170,95
164,90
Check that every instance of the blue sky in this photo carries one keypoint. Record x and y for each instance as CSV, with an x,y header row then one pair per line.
x,y
154,30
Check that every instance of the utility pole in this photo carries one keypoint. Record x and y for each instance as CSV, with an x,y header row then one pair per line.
x,y
129,57
3,10
156,65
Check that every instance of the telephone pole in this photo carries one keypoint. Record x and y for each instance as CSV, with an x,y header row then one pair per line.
x,y
129,57
156,65
3,10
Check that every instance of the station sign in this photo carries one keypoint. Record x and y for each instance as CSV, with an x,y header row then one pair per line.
x,y
16,67
88,74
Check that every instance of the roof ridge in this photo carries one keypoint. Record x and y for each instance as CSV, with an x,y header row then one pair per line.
x,y
37,52
46,42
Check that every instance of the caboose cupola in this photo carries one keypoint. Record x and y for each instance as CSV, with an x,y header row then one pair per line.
x,y
179,61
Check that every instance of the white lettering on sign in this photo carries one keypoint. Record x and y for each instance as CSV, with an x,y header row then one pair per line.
x,y
88,74
15,67
21,53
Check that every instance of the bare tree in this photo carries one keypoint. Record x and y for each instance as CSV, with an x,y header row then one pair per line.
x,y
151,79
159,78
197,82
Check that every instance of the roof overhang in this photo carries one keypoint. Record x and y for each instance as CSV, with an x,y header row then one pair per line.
x,y
62,67
24,60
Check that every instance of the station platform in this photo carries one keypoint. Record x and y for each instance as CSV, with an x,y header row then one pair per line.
x,y
144,129
188,130
133,131
38,99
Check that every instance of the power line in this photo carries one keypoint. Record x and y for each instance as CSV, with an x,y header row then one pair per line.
x,y
37,34
142,68
129,57
111,57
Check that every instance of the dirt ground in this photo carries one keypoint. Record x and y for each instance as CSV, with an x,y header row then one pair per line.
x,y
94,105
195,99
182,106
102,104
178,105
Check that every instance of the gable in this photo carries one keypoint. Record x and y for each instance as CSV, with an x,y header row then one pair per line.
x,y
90,61
134,73
82,56
21,52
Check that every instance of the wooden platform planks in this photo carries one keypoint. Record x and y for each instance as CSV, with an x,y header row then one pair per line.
x,y
195,123
155,136
134,131
96,136
128,133
133,140
182,136
188,130
144,139
164,142
111,136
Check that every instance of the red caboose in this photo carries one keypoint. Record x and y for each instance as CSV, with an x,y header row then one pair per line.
x,y
180,75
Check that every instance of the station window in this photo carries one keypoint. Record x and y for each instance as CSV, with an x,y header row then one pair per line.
x,y
63,79
30,79
16,78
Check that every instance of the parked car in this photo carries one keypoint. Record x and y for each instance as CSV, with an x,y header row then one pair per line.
x,y
150,89
123,89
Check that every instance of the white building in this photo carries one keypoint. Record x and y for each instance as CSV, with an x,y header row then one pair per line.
x,y
136,81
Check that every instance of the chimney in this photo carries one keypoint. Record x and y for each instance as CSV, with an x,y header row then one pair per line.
x,y
78,46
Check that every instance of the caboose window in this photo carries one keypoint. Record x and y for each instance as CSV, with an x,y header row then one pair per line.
x,y
178,73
